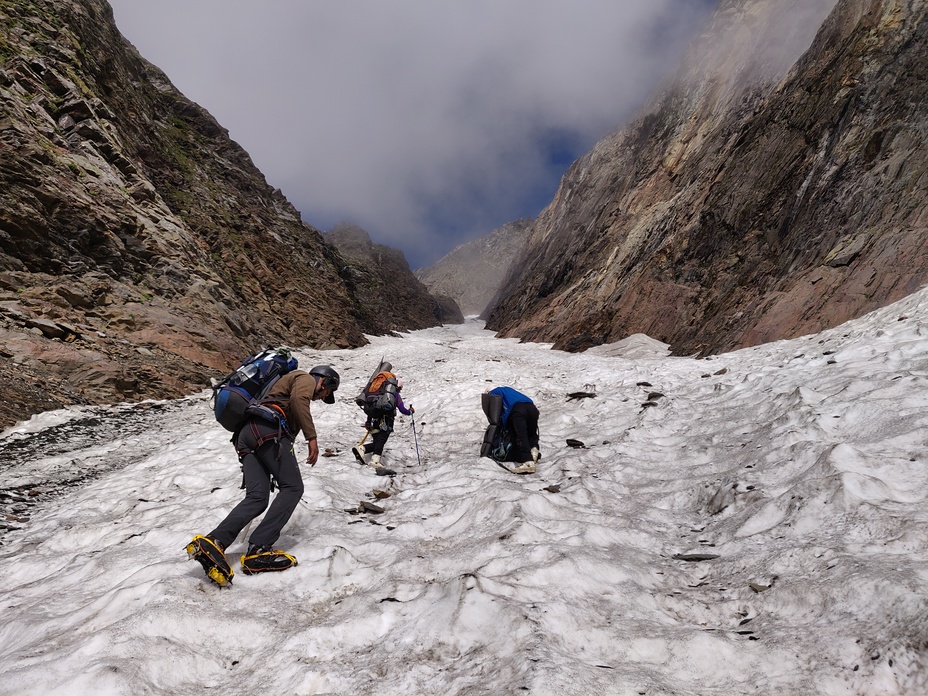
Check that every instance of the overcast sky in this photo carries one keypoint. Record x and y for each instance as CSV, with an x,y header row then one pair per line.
x,y
426,123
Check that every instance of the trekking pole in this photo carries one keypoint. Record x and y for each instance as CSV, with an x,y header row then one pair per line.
x,y
415,438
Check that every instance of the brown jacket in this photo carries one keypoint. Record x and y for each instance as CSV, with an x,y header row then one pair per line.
x,y
293,393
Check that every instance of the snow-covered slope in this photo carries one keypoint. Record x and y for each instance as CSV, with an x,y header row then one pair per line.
x,y
754,523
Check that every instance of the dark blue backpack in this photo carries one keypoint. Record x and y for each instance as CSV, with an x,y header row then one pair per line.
x,y
250,382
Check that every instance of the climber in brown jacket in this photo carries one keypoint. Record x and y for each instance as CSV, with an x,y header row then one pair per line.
x,y
265,448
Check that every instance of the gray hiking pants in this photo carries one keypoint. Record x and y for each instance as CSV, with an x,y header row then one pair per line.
x,y
263,458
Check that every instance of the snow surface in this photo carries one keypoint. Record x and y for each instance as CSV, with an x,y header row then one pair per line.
x,y
796,471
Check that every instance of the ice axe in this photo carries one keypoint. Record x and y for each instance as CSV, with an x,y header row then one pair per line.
x,y
358,449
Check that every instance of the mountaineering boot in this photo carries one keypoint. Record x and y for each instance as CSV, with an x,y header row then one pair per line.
x,y
264,559
524,468
536,455
379,468
209,554
359,454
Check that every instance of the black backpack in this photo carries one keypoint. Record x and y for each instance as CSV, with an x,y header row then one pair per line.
x,y
496,443
248,384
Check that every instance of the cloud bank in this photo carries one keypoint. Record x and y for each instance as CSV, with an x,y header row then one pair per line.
x,y
425,123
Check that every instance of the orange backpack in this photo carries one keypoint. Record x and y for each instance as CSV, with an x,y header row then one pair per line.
x,y
380,395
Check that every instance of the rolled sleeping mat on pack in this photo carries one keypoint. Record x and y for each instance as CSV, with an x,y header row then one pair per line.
x,y
486,448
383,367
492,407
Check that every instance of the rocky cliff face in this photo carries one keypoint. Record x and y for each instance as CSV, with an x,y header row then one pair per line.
x,y
389,296
769,191
472,273
140,249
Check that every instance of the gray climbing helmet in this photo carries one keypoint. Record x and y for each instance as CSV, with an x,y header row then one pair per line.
x,y
330,380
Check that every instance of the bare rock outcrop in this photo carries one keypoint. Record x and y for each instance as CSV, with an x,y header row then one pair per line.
x,y
775,187
141,250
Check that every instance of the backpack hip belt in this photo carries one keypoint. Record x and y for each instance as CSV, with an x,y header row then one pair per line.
x,y
272,413
268,413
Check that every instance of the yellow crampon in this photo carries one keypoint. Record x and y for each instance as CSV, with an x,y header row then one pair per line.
x,y
209,555
218,577
267,561
192,549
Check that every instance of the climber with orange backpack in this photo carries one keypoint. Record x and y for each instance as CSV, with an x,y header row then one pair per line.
x,y
380,400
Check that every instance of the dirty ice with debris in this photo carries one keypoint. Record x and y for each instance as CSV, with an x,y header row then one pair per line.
x,y
753,523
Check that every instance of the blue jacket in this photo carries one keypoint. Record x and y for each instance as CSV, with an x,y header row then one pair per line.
x,y
511,397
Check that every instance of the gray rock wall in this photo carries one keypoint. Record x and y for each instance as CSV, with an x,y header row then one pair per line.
x,y
760,195
473,273
390,297
129,215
